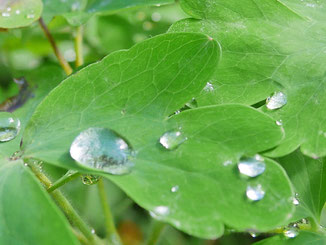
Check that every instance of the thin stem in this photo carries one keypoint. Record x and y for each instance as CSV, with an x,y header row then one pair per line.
x,y
65,205
111,231
69,176
64,64
79,46
156,232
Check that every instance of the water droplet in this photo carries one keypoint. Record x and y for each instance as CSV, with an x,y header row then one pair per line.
x,y
251,167
8,9
279,123
90,179
17,11
93,231
156,17
25,164
209,87
102,149
290,232
192,104
5,14
255,193
276,101
172,139
227,163
9,126
295,201
253,233
175,188
30,16
159,212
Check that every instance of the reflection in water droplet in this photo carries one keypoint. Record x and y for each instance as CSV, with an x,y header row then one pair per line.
x,y
279,123
90,179
30,16
253,233
276,101
102,149
295,201
227,163
209,87
291,232
175,188
5,14
9,126
172,139
255,193
159,212
251,166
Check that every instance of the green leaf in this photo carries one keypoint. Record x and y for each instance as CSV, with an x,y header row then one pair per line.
x,y
77,12
308,177
304,238
41,81
133,92
19,13
28,215
268,47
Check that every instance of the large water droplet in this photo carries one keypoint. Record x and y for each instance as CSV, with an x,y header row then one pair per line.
x,y
291,232
90,179
251,167
9,126
172,139
102,149
255,193
276,101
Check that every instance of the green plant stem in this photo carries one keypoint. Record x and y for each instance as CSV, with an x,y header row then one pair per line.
x,y
65,205
79,46
64,64
111,231
156,232
69,176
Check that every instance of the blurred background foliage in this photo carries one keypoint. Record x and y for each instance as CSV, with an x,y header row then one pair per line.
x,y
24,50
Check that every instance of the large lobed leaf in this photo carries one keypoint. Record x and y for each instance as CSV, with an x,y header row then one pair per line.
x,y
133,92
267,47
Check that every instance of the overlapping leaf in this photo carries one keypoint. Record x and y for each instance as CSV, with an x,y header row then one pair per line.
x,y
19,13
268,47
28,215
133,92
78,12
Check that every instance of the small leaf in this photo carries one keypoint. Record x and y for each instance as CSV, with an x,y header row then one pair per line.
x,y
28,215
19,13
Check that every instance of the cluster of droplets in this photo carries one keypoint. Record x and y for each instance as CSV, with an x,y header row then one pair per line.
x,y
9,126
8,11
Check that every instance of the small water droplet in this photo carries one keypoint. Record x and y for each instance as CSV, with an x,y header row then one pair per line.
x,y
227,163
8,9
9,126
5,14
93,231
253,233
102,149
30,16
90,179
172,139
25,164
209,87
295,201
255,193
192,104
251,167
279,123
290,232
156,17
175,188
159,212
17,11
177,112
276,101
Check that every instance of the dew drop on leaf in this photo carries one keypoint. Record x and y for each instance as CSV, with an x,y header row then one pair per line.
x,y
290,232
90,179
30,16
209,87
295,201
175,188
159,212
172,139
102,149
251,167
17,11
255,193
279,123
9,126
5,14
276,101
